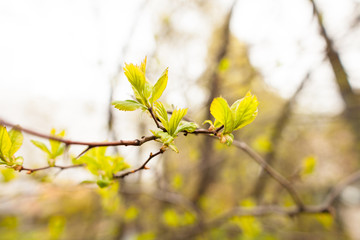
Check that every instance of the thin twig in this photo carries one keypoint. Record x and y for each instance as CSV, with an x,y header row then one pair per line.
x,y
192,231
143,166
31,170
155,120
136,142
337,189
271,171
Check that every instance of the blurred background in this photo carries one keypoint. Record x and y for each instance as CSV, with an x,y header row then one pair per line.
x,y
61,65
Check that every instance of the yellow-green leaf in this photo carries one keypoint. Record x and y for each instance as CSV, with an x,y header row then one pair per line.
x,y
143,65
161,113
128,105
221,112
186,126
16,138
308,165
5,144
55,145
159,87
42,146
175,119
244,110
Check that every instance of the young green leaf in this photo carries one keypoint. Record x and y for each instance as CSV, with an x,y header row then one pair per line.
x,y
102,166
143,65
16,139
42,146
137,79
5,144
128,105
186,127
135,76
165,137
161,113
56,145
221,112
159,87
175,119
244,110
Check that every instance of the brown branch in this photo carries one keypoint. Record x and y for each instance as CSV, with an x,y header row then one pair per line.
x,y
271,171
155,119
260,211
143,166
279,127
337,189
136,142
31,170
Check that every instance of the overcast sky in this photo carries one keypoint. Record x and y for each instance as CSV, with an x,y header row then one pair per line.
x,y
69,50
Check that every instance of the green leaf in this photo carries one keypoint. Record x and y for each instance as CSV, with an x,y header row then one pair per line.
x,y
148,88
135,76
16,138
308,165
5,144
137,79
173,147
208,122
131,214
175,119
165,138
244,110
186,126
8,174
162,114
221,112
159,87
128,105
55,145
143,65
102,183
42,146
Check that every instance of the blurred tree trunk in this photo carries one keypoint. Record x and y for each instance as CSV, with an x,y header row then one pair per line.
x,y
209,167
275,138
350,98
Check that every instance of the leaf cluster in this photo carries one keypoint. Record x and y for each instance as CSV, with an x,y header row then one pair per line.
x,y
172,126
102,166
10,142
56,148
145,93
146,98
241,113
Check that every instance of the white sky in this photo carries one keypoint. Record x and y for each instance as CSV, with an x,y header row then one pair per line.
x,y
62,52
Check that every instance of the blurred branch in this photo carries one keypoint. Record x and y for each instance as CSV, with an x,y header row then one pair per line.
x,y
143,166
207,149
334,58
31,170
337,189
261,211
271,171
275,138
136,142
350,98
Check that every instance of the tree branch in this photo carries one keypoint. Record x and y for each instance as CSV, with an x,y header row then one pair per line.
x,y
31,170
271,171
136,142
143,166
